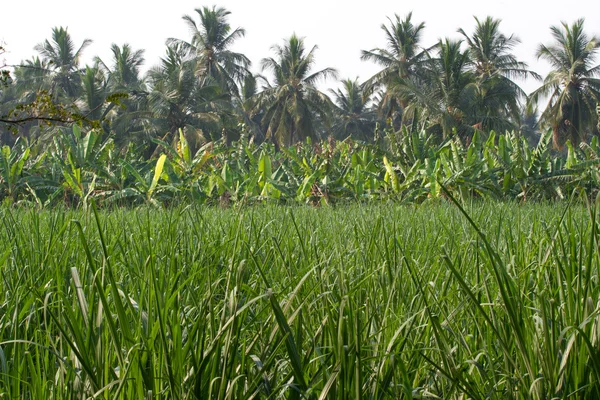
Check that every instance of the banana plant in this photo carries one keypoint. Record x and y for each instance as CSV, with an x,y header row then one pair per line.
x,y
464,171
182,162
581,169
78,157
83,150
367,169
143,188
12,162
390,176
265,178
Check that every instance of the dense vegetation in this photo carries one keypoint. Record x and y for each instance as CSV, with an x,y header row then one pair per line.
x,y
201,86
458,257
354,302
201,126
400,166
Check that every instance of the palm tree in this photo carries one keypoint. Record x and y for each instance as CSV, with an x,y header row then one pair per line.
x,y
210,46
49,85
490,51
448,94
178,100
402,59
124,74
354,116
62,62
124,81
529,125
292,104
496,67
95,92
246,106
572,87
453,87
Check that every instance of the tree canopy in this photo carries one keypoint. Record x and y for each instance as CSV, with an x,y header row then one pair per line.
x,y
456,86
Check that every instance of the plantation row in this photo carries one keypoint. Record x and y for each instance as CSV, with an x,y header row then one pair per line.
x,y
404,166
353,302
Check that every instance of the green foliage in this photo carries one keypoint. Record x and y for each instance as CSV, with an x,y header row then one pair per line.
x,y
12,162
411,168
118,282
572,87
291,106
203,87
444,107
489,301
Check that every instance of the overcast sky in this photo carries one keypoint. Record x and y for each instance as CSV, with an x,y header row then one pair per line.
x,y
341,29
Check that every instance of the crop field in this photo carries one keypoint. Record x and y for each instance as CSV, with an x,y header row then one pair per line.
x,y
490,301
203,225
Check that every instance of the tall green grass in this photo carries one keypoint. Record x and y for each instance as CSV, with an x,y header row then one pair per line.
x,y
353,302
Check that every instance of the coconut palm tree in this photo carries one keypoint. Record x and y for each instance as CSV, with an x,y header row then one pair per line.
x,y
124,81
572,87
447,97
95,92
495,68
453,88
292,104
211,45
402,59
48,86
178,100
245,106
491,52
124,73
354,115
61,60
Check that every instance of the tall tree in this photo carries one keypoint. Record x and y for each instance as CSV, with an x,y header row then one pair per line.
x,y
572,87
447,95
178,100
354,115
246,106
124,71
129,121
211,45
293,103
29,77
402,59
95,92
46,87
495,68
61,60
452,88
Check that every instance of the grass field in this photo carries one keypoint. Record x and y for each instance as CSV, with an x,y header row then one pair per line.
x,y
346,302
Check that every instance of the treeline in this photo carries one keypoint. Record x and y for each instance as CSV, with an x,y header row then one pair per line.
x,y
206,90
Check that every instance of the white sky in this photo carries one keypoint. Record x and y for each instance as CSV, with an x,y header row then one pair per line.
x,y
341,29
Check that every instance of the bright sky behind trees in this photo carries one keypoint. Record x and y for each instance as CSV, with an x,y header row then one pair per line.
x,y
341,29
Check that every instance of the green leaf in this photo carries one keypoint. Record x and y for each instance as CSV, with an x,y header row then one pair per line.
x,y
390,175
157,173
184,148
264,169
88,144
